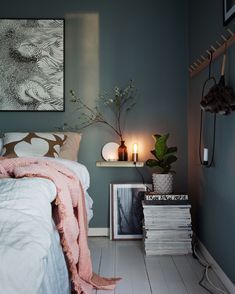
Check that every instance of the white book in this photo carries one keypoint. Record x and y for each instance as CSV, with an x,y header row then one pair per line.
x,y
168,235
168,252
167,217
167,227
171,246
173,239
170,208
167,222
167,212
184,206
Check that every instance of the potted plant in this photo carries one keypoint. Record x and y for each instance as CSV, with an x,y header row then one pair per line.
x,y
164,157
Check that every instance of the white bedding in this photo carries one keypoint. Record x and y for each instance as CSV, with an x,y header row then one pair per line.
x,y
26,230
56,278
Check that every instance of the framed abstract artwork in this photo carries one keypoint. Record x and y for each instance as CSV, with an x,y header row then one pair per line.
x,y
126,212
32,65
228,10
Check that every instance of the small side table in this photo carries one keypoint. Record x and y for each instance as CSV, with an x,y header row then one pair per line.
x,y
167,224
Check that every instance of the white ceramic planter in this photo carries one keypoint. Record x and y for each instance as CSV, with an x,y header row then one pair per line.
x,y
162,183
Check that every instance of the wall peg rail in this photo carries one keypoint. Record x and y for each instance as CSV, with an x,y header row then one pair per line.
x,y
219,48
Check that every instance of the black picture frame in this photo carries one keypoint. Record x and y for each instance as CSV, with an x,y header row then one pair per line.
x,y
126,211
228,11
32,65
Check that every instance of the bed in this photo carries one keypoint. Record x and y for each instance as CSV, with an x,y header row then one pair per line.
x,y
32,259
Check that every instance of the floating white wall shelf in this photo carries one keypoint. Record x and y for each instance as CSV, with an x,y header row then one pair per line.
x,y
119,164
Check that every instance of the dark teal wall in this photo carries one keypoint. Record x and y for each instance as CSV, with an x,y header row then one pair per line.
x,y
212,189
143,40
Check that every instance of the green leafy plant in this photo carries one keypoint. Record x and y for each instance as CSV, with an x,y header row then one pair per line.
x,y
164,155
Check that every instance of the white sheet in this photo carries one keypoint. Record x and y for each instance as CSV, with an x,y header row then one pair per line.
x,y
25,233
56,278
26,230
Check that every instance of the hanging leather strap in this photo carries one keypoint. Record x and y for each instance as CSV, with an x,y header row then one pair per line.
x,y
211,162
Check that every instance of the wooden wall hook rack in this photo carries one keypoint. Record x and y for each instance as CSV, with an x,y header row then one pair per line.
x,y
218,49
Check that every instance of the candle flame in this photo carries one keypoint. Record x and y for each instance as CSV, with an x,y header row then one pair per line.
x,y
135,148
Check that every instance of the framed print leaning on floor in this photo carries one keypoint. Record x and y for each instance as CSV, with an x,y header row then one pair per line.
x,y
32,65
126,212
228,10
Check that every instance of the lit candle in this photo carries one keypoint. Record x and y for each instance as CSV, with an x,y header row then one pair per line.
x,y
135,152
111,158
205,156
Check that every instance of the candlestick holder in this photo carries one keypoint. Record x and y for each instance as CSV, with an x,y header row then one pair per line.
x,y
134,157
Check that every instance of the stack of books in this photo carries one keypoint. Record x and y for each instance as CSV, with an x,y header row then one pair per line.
x,y
167,224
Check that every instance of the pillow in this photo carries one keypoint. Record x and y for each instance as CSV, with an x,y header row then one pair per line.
x,y
32,144
70,148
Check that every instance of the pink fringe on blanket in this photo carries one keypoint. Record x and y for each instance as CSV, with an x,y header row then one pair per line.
x,y
71,217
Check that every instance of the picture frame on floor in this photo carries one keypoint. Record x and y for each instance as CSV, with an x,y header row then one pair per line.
x,y
228,10
32,65
126,211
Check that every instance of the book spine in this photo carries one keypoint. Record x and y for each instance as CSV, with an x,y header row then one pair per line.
x,y
165,202
170,207
152,196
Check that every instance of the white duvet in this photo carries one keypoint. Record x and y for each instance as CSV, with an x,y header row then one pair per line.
x,y
26,231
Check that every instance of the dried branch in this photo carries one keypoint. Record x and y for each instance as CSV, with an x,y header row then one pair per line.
x,y
121,102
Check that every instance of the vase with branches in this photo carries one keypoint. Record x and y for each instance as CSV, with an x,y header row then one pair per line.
x,y
120,102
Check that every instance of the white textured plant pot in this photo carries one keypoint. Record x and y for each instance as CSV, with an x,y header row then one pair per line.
x,y
162,183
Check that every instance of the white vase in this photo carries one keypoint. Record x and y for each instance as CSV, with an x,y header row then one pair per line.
x,y
162,183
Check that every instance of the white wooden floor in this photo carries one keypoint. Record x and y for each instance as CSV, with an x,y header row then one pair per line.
x,y
146,275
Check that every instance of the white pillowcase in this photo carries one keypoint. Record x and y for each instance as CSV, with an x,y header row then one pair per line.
x,y
68,150
32,144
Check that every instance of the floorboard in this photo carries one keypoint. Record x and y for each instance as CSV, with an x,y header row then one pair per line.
x,y
189,277
95,250
195,266
173,279
130,265
178,274
108,261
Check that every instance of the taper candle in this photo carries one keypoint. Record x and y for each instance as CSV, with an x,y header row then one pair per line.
x,y
205,156
135,152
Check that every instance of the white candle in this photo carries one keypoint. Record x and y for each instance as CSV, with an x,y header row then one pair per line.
x,y
111,158
135,152
205,155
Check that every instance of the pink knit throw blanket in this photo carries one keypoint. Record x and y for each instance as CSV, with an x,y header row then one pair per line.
x,y
71,217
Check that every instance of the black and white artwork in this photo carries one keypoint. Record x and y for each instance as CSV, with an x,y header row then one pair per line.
x,y
228,11
127,211
31,65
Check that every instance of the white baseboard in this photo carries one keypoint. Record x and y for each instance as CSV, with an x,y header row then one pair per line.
x,y
95,232
216,268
